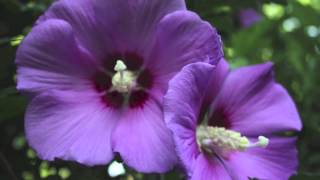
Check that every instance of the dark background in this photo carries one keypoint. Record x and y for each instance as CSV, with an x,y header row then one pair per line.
x,y
288,34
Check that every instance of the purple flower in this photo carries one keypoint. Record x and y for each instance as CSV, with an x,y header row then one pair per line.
x,y
227,127
97,71
248,17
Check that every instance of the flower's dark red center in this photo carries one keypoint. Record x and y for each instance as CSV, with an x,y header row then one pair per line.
x,y
215,117
219,118
137,96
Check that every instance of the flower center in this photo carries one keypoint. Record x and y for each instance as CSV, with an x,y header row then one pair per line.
x,y
123,80
220,141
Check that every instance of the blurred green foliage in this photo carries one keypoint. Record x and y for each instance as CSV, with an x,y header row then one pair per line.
x,y
288,34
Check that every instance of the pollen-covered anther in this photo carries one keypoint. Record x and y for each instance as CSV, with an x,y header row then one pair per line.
x,y
123,80
218,140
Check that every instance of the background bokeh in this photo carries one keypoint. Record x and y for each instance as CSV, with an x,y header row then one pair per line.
x,y
288,33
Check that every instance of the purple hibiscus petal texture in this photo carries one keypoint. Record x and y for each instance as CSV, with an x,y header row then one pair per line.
x,y
210,169
182,38
114,24
150,141
72,50
193,34
49,58
216,81
70,126
277,161
250,102
255,104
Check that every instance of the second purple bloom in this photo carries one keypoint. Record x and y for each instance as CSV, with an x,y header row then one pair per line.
x,y
226,124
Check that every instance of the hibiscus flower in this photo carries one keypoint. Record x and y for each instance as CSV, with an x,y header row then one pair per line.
x,y
96,71
228,125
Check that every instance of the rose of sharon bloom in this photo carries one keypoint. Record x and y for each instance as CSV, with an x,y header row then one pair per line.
x,y
248,17
97,71
227,127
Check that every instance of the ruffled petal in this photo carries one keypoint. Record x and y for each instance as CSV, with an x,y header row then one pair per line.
x,y
182,38
49,58
143,140
71,126
181,108
209,168
254,104
277,161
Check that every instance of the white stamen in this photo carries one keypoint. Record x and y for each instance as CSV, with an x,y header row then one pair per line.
x,y
123,80
223,141
262,142
120,66
116,169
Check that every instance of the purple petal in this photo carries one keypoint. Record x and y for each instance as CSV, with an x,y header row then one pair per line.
x,y
182,38
143,140
81,15
209,168
181,108
277,161
217,80
133,23
70,126
105,27
49,58
255,104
